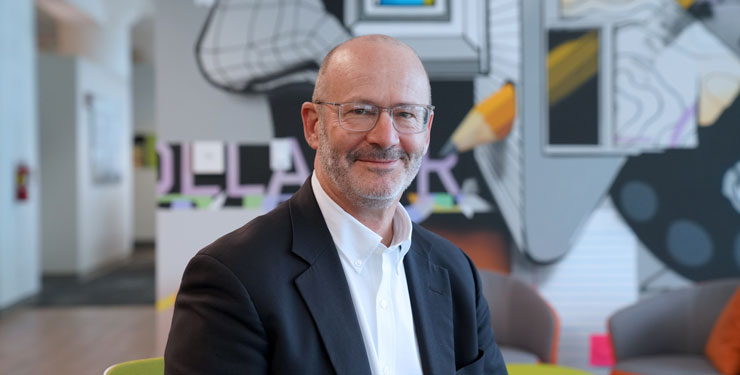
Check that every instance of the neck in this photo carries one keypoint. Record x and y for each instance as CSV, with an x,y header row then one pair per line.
x,y
379,218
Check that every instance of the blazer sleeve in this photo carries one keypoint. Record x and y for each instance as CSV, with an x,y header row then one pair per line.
x,y
215,326
494,360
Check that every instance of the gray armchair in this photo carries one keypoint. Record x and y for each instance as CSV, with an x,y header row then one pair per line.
x,y
525,325
666,334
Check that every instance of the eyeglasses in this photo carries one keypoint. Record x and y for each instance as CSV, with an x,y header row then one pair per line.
x,y
362,117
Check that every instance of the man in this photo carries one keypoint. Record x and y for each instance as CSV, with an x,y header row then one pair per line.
x,y
337,280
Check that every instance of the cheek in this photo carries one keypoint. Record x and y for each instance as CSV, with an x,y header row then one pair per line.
x,y
344,142
414,145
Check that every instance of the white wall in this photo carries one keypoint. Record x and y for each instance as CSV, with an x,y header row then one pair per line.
x,y
86,225
143,97
597,277
19,221
188,107
58,139
107,46
145,179
105,211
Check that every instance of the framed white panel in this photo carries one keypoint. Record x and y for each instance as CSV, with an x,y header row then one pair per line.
x,y
208,157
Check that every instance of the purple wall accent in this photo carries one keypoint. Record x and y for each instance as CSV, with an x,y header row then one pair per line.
x,y
443,168
681,124
166,168
633,140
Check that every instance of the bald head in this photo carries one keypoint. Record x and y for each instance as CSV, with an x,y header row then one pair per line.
x,y
367,171
367,52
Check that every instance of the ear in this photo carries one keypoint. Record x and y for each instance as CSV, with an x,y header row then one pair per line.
x,y
429,133
310,116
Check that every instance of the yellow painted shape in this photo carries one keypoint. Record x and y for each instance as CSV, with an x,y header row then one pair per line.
x,y
498,110
685,3
151,150
542,369
165,302
412,197
717,92
571,64
489,120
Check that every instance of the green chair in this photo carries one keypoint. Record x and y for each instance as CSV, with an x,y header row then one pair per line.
x,y
149,366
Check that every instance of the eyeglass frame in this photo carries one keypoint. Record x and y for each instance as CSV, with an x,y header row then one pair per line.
x,y
429,107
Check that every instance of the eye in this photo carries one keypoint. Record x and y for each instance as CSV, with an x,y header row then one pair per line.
x,y
407,112
360,110
406,115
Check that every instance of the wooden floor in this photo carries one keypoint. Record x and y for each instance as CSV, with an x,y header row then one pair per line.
x,y
78,341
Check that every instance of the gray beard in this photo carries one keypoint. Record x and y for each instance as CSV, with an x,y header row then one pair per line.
x,y
365,197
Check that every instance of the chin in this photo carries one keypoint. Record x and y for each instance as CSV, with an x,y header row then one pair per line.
x,y
379,197
375,201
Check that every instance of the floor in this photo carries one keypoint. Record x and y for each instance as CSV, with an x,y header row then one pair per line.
x,y
129,283
76,340
83,326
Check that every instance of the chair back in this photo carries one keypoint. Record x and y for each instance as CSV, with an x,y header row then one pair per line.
x,y
674,322
149,366
520,317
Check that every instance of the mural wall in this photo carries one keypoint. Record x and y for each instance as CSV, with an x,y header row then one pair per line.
x,y
278,58
577,133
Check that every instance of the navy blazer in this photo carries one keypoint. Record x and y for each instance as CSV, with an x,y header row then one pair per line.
x,y
271,297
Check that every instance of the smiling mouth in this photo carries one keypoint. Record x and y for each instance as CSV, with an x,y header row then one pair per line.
x,y
379,163
379,167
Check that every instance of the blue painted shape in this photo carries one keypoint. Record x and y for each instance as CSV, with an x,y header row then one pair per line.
x,y
181,204
402,2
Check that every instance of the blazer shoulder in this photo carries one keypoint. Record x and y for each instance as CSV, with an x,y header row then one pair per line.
x,y
446,254
271,231
440,248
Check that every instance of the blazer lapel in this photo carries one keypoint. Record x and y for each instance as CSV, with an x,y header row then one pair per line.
x,y
324,287
431,303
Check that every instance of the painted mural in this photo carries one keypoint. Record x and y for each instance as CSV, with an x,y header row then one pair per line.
x,y
674,85
640,99
574,132
682,202
274,49
640,106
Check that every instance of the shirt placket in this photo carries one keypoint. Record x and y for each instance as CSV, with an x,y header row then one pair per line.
x,y
385,317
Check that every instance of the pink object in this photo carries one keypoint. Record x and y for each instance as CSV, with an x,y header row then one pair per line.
x,y
601,350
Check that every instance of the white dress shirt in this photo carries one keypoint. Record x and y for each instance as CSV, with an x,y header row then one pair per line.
x,y
377,282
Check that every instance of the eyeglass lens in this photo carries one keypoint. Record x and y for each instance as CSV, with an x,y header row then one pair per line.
x,y
361,117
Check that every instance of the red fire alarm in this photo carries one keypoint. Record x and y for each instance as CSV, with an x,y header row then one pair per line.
x,y
21,182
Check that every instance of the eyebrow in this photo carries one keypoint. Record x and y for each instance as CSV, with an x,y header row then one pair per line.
x,y
364,101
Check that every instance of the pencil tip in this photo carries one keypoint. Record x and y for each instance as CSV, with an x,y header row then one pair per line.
x,y
448,148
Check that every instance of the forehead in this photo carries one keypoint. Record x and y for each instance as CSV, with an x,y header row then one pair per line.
x,y
377,71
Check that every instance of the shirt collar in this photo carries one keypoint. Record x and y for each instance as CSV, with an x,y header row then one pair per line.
x,y
353,239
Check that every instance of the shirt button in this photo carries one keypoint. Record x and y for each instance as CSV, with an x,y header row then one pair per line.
x,y
358,263
384,305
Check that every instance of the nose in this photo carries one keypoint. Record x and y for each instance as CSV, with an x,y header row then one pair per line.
x,y
383,134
